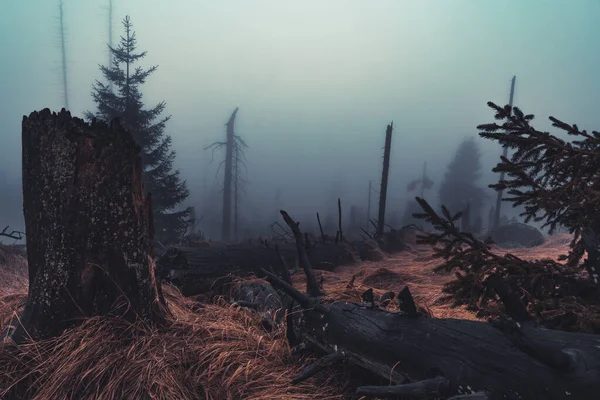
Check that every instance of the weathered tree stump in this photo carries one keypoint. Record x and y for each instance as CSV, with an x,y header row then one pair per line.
x,y
88,224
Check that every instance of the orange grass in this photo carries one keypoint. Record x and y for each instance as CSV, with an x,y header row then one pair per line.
x,y
414,268
209,351
212,351
13,284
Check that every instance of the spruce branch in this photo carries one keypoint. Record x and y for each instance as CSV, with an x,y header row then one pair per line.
x,y
556,181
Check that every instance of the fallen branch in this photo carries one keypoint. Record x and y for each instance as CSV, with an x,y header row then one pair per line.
x,y
421,389
318,366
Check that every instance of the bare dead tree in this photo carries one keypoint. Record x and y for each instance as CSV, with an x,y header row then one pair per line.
x,y
239,170
424,182
341,233
110,36
465,221
496,223
321,228
384,178
192,220
369,206
311,283
228,178
279,232
232,180
63,50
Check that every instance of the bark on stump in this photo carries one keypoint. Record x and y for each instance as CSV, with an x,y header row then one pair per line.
x,y
88,224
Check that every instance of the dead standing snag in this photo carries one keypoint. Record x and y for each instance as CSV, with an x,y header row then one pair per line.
x,y
311,282
384,179
88,223
232,180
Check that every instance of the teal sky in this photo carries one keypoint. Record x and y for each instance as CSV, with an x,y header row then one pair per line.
x,y
316,81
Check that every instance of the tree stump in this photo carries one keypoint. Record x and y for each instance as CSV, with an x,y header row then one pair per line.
x,y
88,224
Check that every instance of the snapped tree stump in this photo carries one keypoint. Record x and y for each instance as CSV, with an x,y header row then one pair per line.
x,y
88,224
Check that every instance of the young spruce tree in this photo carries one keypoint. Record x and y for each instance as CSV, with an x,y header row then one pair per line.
x,y
124,101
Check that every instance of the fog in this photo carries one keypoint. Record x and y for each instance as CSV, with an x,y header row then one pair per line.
x,y
316,83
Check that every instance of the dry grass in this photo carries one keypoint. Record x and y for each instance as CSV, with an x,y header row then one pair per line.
x,y
414,268
208,352
13,283
214,352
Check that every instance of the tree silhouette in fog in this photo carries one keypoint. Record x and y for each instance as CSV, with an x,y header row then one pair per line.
x,y
123,100
459,188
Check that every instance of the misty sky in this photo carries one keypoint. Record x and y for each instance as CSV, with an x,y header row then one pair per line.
x,y
316,82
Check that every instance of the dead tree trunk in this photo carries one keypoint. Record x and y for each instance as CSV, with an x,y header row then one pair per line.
x,y
193,222
496,222
88,223
508,360
369,208
321,228
228,179
426,357
465,221
384,179
63,51
236,187
340,221
110,39
238,161
491,214
311,282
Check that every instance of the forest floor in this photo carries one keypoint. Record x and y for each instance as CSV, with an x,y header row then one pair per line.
x,y
212,351
414,268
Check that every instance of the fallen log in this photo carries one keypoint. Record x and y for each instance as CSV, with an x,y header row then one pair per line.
x,y
199,270
328,256
426,357
248,257
469,355
196,269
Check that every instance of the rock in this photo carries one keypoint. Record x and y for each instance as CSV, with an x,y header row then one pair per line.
x,y
261,297
516,234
